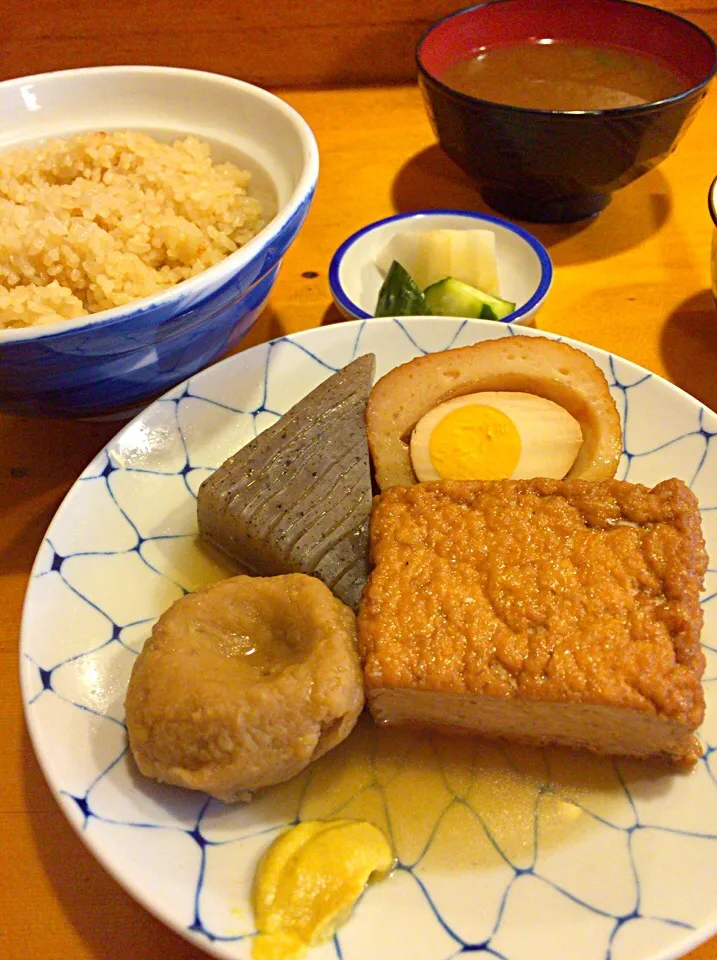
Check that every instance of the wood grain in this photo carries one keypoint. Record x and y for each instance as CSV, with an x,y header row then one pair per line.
x,y
281,42
635,280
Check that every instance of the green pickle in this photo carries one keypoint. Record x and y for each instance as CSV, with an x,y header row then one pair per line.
x,y
453,298
400,295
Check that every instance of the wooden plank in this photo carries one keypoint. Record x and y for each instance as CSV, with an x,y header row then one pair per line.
x,y
277,43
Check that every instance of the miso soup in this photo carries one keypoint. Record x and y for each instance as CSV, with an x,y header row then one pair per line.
x,y
561,75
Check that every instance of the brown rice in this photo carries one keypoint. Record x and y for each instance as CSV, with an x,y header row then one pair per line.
x,y
103,219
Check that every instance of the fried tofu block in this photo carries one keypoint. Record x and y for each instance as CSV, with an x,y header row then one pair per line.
x,y
539,611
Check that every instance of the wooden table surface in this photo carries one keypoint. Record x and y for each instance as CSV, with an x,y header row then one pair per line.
x,y
635,281
312,43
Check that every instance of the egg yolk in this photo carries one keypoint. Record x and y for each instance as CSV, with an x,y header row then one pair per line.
x,y
310,879
475,442
495,435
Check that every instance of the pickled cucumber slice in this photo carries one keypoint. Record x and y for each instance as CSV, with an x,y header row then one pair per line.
x,y
453,298
400,295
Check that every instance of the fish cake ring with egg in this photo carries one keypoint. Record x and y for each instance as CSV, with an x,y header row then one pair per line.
x,y
536,394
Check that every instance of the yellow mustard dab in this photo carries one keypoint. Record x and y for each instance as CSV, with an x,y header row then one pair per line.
x,y
309,880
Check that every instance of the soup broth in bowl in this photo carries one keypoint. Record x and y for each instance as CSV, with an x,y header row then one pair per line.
x,y
552,105
564,75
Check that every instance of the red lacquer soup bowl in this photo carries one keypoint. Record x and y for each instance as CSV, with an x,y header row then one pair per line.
x,y
548,165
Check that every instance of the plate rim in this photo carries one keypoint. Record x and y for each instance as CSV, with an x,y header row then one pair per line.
x,y
684,945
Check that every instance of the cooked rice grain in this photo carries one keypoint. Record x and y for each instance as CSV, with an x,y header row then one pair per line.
x,y
103,219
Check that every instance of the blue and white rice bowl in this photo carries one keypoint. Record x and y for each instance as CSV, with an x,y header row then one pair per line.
x,y
117,359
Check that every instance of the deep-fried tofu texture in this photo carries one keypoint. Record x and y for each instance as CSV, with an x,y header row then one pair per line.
x,y
542,611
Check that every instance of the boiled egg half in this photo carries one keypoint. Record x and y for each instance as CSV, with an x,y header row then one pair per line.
x,y
495,436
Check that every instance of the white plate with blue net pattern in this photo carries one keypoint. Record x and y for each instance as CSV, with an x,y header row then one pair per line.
x,y
503,852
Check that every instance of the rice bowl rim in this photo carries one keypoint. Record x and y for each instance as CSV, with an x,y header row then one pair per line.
x,y
218,274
